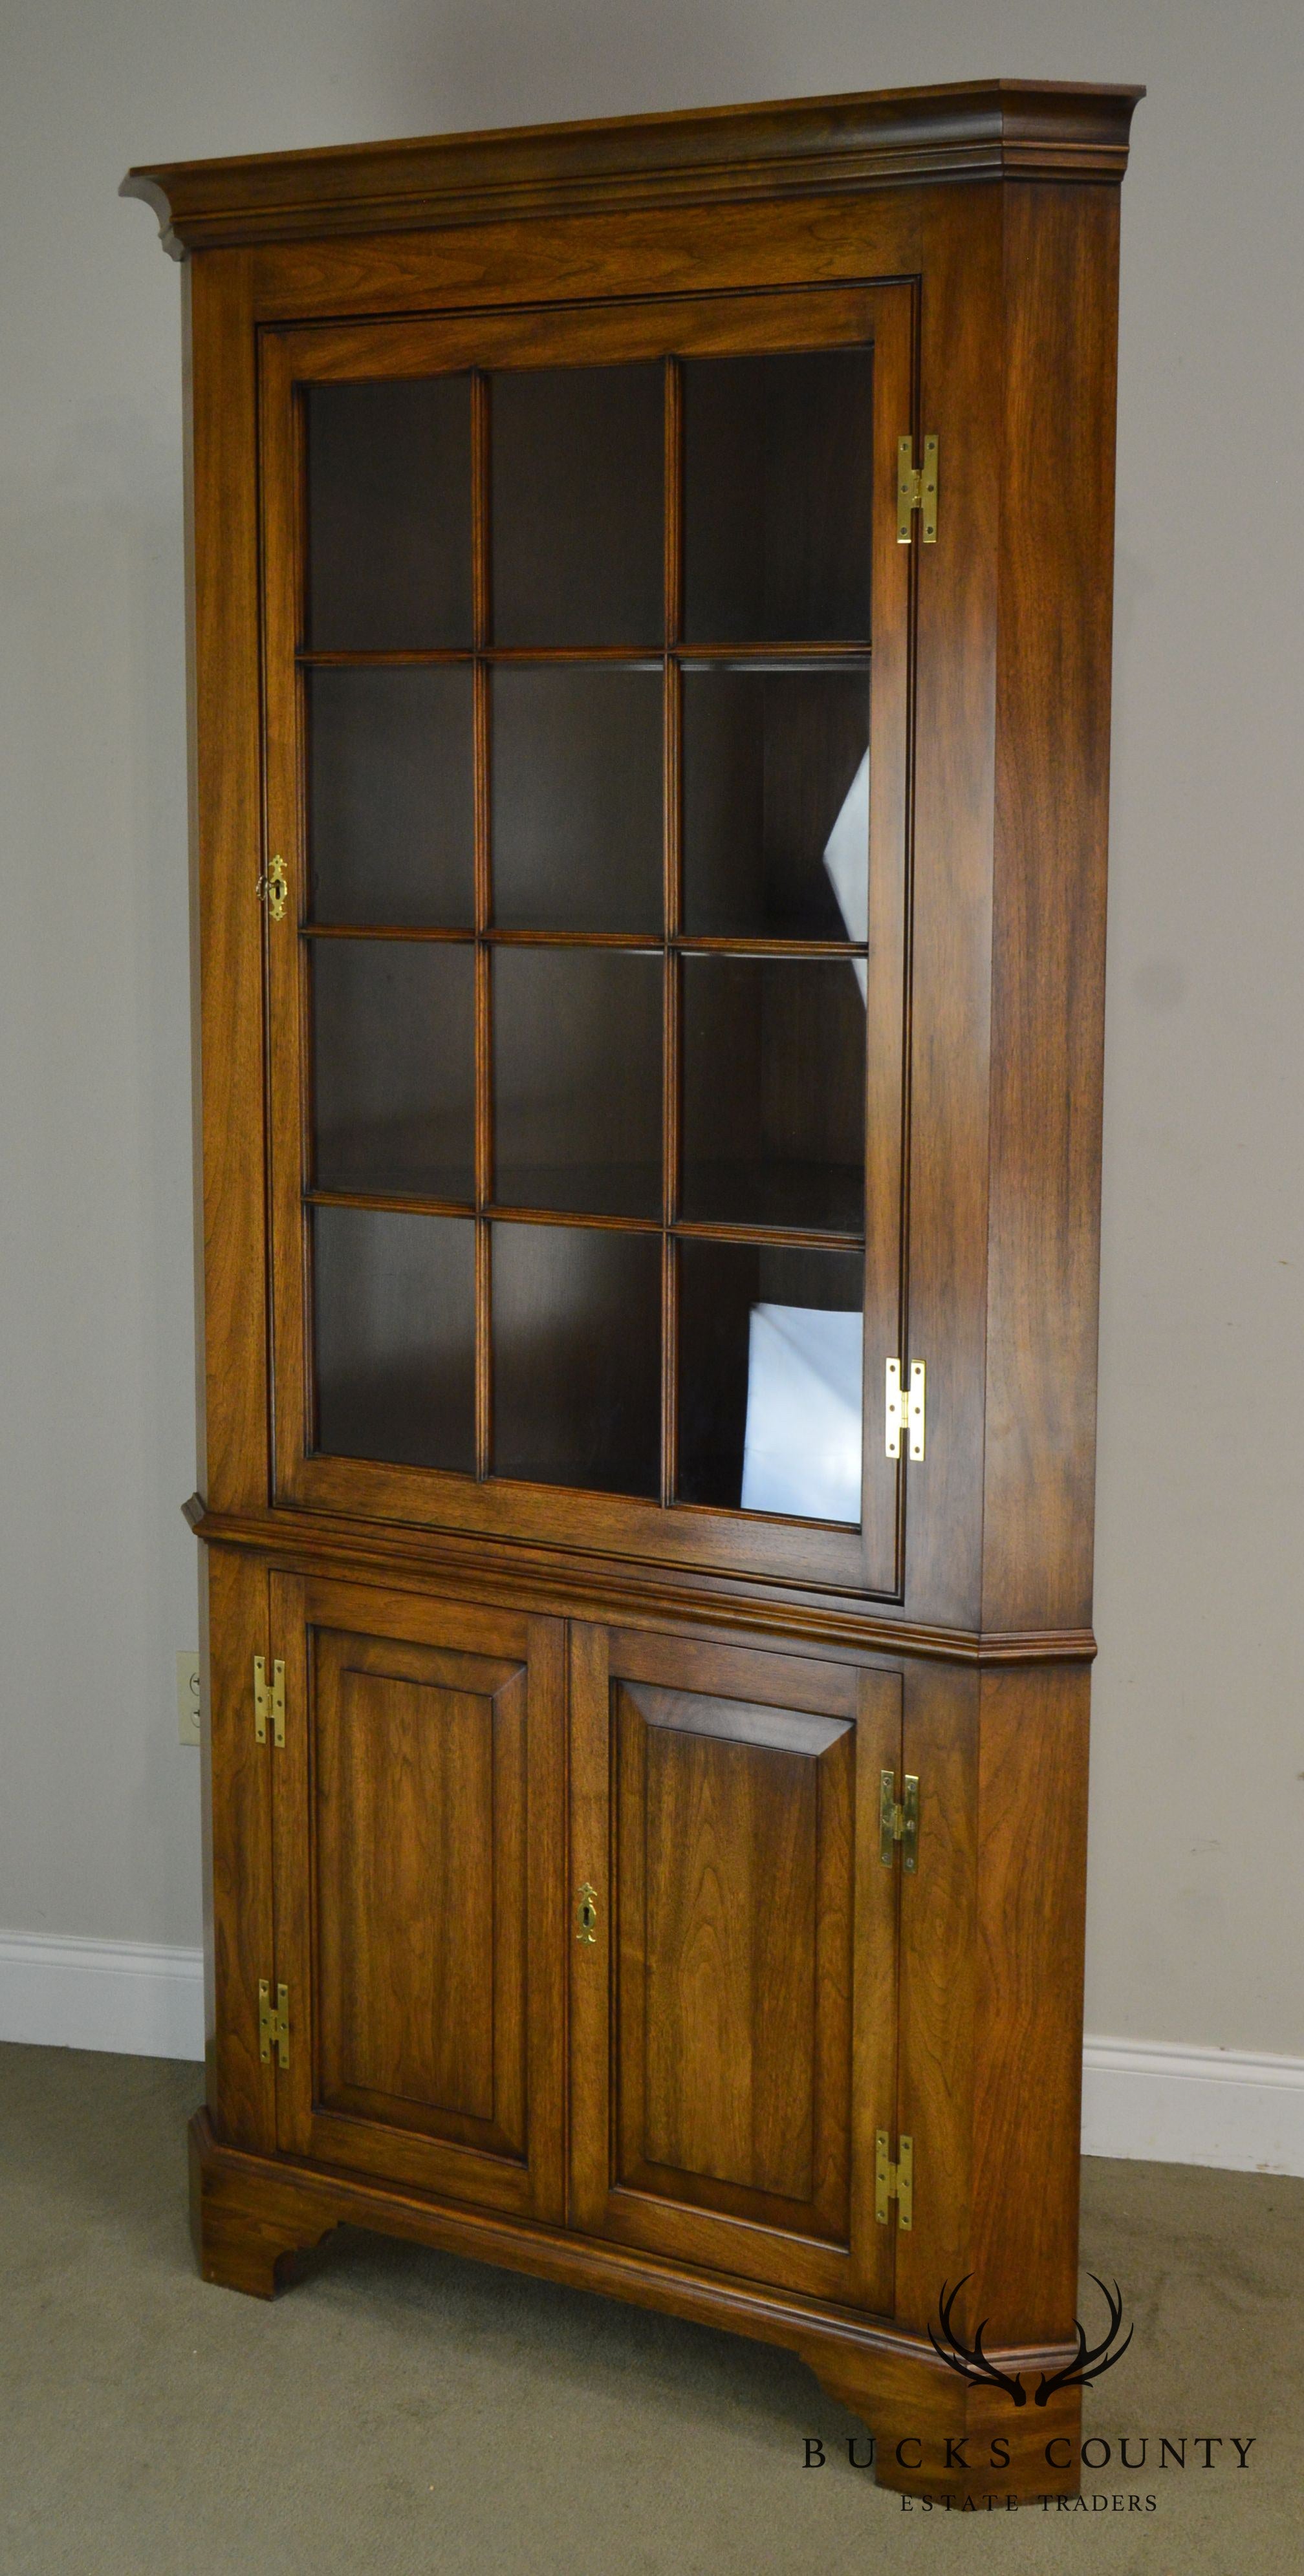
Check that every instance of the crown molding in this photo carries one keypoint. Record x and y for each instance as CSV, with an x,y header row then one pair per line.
x,y
967,130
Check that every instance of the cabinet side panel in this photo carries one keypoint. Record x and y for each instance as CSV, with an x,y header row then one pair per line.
x,y
1032,1835
238,1857
1052,814
226,859
955,587
937,2019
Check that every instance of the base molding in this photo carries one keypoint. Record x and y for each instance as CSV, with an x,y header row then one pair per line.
x,y
130,1998
254,2218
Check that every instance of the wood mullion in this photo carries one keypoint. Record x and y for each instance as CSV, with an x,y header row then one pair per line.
x,y
481,612
401,1202
673,902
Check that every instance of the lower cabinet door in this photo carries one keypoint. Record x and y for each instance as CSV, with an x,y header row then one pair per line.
x,y
733,1958
419,1891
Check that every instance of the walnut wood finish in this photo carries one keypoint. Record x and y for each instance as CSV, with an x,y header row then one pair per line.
x,y
496,1693
419,1891
741,1992
973,130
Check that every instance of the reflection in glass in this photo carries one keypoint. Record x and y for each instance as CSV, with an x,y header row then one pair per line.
x,y
578,507
770,1348
778,479
391,795
389,515
577,1080
774,1083
393,1067
394,1336
577,791
577,1357
771,758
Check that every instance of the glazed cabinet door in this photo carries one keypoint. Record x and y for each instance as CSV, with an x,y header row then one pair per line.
x,y
419,1836
586,655
733,1958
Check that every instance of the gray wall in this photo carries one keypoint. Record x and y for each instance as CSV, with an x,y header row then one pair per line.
x,y
1199,1754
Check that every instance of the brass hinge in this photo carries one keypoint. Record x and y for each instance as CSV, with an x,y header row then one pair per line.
x,y
905,1409
894,2181
273,887
916,490
898,1823
269,1701
273,2027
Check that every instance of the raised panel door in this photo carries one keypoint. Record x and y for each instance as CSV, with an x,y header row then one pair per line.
x,y
418,1891
733,2001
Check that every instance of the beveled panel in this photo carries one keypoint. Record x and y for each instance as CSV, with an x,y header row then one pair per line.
x,y
405,1798
734,1930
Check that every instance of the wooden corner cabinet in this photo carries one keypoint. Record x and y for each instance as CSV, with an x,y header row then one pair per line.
x,y
650,656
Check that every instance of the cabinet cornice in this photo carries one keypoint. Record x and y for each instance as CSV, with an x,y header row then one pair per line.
x,y
972,130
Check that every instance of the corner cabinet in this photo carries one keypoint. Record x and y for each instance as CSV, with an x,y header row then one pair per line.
x,y
650,663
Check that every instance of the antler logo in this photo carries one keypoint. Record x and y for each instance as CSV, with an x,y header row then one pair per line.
x,y
969,2361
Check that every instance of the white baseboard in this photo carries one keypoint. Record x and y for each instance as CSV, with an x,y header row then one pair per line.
x,y
131,1997
1193,2106
1184,2106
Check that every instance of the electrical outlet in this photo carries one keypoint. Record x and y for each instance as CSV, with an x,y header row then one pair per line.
x,y
188,1698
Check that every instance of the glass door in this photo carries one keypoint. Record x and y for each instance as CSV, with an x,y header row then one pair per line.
x,y
586,723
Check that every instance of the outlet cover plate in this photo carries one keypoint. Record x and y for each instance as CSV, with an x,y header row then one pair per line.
x,y
188,1698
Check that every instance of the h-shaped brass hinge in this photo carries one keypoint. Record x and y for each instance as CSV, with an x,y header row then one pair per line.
x,y
269,1701
916,490
894,2181
898,1823
273,2026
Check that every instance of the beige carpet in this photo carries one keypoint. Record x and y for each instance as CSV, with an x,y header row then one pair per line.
x,y
403,2411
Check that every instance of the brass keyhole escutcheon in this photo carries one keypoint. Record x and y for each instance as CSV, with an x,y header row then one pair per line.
x,y
586,1915
273,888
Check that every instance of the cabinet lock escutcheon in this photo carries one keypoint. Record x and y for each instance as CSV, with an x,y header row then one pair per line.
x,y
905,1409
586,1915
894,2182
269,1701
273,2023
898,1819
916,490
273,887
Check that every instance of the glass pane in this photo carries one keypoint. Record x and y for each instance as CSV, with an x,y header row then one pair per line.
x,y
389,515
577,1357
776,803
577,787
578,506
394,1067
391,796
577,1080
770,1359
394,1306
774,1092
778,471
